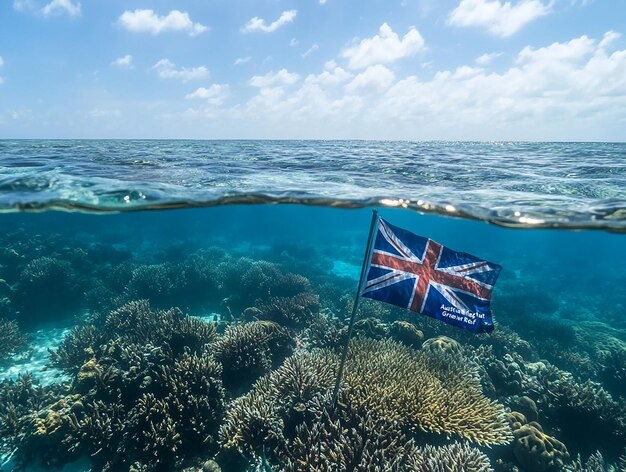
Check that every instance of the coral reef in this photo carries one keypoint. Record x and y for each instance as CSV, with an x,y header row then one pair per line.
x,y
536,451
442,344
385,383
249,350
11,338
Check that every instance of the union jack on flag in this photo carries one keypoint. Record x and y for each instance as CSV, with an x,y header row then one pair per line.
x,y
421,275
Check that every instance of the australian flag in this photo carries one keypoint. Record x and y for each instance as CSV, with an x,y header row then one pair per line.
x,y
421,275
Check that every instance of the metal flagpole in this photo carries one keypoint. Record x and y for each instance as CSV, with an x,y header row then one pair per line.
x,y
355,306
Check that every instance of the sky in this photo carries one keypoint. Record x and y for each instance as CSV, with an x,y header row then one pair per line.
x,y
540,70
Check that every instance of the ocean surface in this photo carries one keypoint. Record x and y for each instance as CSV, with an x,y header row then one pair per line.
x,y
182,306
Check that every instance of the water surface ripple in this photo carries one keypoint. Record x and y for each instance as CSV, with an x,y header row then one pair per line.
x,y
565,185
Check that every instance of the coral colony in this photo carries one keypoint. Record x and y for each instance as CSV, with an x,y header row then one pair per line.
x,y
145,386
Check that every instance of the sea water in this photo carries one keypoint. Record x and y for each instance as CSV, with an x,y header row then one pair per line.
x,y
153,292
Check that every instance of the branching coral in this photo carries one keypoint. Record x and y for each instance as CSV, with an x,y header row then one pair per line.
x,y
294,312
11,338
455,457
247,351
416,392
426,391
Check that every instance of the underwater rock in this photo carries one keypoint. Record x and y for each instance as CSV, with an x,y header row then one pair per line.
x,y
442,344
407,333
11,338
536,451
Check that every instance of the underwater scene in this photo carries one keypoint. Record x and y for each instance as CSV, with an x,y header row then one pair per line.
x,y
204,329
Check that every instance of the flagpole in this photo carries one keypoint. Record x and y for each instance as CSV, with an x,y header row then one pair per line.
x,y
355,306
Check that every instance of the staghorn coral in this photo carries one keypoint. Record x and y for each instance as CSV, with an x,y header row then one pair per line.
x,y
427,391
346,439
455,457
18,399
325,331
622,462
417,392
57,285
147,403
569,404
249,350
137,323
595,463
77,347
11,338
293,312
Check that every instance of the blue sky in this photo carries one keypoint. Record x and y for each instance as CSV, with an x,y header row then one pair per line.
x,y
330,69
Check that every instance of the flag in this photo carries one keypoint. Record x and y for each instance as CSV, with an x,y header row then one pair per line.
x,y
421,275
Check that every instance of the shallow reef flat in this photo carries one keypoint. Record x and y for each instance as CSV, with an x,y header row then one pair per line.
x,y
218,351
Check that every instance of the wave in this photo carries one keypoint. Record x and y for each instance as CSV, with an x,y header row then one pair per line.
x,y
520,185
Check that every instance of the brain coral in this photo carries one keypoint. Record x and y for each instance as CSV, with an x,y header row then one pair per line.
x,y
442,344
537,451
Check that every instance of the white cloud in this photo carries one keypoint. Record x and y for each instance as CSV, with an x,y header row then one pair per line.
x,y
272,79
377,78
567,90
71,7
125,62
167,70
215,95
1,64
311,50
258,24
294,42
323,2
147,21
56,6
487,58
500,19
242,60
383,48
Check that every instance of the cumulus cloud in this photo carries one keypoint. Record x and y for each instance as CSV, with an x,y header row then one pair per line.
x,y
147,21
272,79
500,19
125,62
216,94
258,24
376,78
1,64
558,91
383,48
167,70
